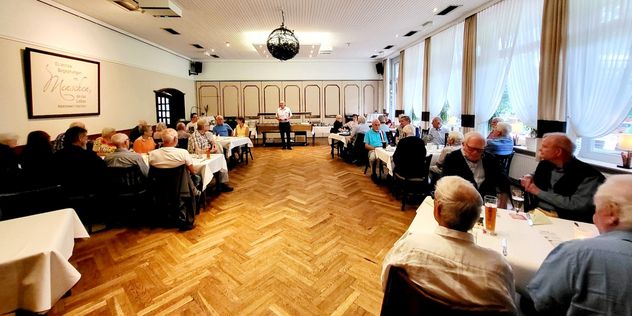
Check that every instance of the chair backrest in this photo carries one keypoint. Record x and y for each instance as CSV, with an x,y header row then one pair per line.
x,y
403,297
166,185
30,202
390,138
359,151
183,143
425,132
126,179
445,138
505,162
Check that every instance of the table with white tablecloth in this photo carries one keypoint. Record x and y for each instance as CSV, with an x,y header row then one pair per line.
x,y
338,138
34,253
321,131
228,143
386,156
204,167
527,246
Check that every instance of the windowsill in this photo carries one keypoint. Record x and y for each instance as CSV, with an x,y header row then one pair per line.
x,y
606,167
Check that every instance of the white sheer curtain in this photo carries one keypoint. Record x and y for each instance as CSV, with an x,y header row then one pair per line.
x,y
523,78
599,65
413,79
454,87
496,32
440,67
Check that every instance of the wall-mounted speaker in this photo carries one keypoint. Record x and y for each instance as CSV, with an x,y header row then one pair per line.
x,y
379,67
195,68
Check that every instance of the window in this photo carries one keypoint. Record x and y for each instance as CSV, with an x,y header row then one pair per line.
x,y
393,85
162,108
606,148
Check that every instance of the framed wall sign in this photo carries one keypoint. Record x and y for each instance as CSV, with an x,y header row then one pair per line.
x,y
59,86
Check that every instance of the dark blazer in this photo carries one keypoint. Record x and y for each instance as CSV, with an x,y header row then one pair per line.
x,y
336,128
409,158
80,171
495,181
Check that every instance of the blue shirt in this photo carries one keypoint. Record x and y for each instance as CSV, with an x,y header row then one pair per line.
x,y
438,135
223,130
373,138
500,146
586,277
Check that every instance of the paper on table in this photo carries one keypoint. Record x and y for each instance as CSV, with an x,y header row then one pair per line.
x,y
539,218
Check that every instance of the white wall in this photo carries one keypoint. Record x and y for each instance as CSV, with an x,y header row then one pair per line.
x,y
298,69
130,70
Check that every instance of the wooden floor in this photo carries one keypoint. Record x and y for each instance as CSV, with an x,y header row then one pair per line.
x,y
302,234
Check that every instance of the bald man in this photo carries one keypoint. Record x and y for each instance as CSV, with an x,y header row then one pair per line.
x,y
561,182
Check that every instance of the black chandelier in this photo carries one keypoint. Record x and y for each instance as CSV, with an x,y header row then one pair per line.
x,y
282,44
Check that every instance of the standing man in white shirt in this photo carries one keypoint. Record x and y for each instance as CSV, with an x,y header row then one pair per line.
x,y
448,264
283,116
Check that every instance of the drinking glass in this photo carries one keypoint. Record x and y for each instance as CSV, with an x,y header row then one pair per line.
x,y
491,205
517,198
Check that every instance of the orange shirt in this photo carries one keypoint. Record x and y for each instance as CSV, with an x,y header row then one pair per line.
x,y
144,145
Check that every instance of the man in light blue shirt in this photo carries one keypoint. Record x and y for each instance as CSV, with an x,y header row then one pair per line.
x,y
590,276
222,129
372,139
501,145
437,132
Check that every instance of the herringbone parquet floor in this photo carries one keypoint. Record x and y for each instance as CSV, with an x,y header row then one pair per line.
x,y
302,234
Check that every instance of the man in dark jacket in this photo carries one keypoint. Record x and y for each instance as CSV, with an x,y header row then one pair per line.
x,y
409,155
561,183
483,171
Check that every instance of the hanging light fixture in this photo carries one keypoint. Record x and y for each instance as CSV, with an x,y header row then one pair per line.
x,y
282,44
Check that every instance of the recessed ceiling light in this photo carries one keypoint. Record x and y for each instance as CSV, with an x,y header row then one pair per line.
x,y
212,50
396,35
207,53
435,9
227,44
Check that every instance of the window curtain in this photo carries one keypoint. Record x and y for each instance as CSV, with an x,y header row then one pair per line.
x,y
496,33
440,67
598,65
456,73
413,80
522,81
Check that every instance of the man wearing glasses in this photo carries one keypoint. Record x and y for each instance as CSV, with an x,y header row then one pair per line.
x,y
483,171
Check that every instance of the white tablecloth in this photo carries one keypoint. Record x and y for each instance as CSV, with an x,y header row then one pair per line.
x,y
527,246
386,155
203,166
34,253
321,131
232,142
338,137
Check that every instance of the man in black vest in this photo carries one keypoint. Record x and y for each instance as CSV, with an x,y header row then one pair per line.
x,y
483,171
561,182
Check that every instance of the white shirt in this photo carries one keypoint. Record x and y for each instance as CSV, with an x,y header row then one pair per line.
x,y
284,114
448,265
477,169
169,157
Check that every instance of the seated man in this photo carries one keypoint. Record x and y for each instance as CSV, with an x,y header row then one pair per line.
x,y
590,276
168,156
192,125
483,171
448,264
502,144
437,132
455,139
337,125
404,120
383,126
372,139
58,143
80,171
562,183
122,157
137,131
221,128
182,131
409,155
201,141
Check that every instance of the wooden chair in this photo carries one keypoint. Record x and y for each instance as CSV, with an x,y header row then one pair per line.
x,y
31,202
403,297
505,162
183,143
129,192
173,196
245,152
413,186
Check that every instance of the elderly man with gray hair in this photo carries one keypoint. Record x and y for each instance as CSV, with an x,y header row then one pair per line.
x,y
590,276
448,264
122,157
502,144
561,182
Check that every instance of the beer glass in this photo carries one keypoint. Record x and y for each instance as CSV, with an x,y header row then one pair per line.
x,y
517,197
491,205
